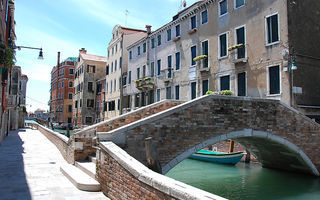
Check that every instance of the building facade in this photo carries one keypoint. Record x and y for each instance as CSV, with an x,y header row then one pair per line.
x,y
252,48
117,66
100,99
62,89
89,69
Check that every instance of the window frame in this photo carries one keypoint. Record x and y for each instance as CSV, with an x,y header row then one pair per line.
x,y
268,81
219,9
175,92
178,25
195,63
235,3
195,17
169,38
219,80
237,85
245,39
175,57
266,29
208,51
219,46
201,17
191,89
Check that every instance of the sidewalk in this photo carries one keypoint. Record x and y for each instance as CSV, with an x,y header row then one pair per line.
x,y
30,169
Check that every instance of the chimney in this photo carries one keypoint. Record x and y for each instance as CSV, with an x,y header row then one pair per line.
x,y
58,61
83,51
148,27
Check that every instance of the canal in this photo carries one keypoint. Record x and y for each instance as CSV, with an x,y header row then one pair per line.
x,y
246,181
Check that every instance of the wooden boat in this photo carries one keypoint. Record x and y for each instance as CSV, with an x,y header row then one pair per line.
x,y
217,157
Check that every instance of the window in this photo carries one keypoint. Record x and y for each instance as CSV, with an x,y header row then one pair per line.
x,y
138,50
169,66
90,86
178,30
114,85
76,104
99,88
177,60
69,108
111,105
116,48
71,71
158,67
107,70
121,44
193,90
69,120
205,51
129,78
223,45
240,37
143,71
130,55
144,47
111,67
118,104
120,63
62,96
62,84
62,71
225,83
223,7
115,65
143,99
88,120
124,80
177,90
193,54
168,92
274,80
272,29
158,95
112,50
238,3
205,86
204,17
111,86
152,69
152,43
137,100
80,102
70,84
151,97
90,103
70,96
91,68
242,84
168,34
193,22
138,72
159,40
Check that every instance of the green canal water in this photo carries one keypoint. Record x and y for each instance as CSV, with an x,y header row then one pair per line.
x,y
246,181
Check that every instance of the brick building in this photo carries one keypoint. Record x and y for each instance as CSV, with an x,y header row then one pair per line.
x,y
89,69
62,81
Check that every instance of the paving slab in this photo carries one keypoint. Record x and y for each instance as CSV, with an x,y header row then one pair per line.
x,y
30,169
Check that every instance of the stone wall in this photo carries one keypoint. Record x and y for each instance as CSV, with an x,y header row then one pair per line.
x,y
62,142
86,135
123,177
266,126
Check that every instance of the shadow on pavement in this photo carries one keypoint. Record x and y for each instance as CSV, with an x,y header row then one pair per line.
x,y
13,183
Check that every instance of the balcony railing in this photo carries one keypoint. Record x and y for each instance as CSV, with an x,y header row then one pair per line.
x,y
237,53
144,84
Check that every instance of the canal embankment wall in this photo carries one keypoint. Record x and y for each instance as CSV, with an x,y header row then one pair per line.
x,y
64,145
123,177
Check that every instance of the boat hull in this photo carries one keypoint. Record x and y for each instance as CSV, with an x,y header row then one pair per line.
x,y
223,158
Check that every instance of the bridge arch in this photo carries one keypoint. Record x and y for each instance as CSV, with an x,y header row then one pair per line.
x,y
282,154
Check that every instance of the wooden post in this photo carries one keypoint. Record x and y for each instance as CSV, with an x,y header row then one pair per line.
x,y
231,146
248,157
153,162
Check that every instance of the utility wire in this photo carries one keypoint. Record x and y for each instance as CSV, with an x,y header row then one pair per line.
x,y
37,101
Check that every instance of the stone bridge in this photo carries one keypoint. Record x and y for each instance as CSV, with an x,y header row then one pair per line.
x,y
279,136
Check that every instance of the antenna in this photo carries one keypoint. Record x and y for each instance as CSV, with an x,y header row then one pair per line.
x,y
126,13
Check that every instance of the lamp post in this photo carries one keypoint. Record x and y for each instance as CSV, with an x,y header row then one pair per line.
x,y
40,57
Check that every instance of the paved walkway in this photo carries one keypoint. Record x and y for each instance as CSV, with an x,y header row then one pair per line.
x,y
30,169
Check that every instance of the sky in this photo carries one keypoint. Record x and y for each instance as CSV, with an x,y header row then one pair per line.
x,y
69,25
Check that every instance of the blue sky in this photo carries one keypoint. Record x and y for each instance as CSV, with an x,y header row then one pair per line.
x,y
68,25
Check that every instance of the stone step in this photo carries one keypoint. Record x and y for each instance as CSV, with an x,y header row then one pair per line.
x,y
87,167
80,179
93,159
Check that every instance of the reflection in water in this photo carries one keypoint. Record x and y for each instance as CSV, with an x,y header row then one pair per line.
x,y
246,181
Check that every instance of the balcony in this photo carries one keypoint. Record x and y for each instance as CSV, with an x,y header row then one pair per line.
x,y
237,53
145,84
11,101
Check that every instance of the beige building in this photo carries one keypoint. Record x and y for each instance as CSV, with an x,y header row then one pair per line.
x,y
260,48
89,69
117,64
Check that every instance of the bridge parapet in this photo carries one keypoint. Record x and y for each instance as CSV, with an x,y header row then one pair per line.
x,y
85,138
189,125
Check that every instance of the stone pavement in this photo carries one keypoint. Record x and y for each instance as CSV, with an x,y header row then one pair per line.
x,y
30,169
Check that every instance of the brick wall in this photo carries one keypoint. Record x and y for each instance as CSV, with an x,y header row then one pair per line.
x,y
123,177
62,143
86,135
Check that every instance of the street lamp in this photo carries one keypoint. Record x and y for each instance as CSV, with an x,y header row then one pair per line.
x,y
40,53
